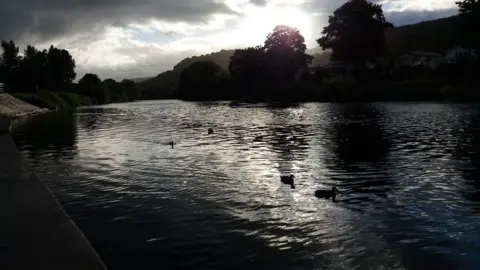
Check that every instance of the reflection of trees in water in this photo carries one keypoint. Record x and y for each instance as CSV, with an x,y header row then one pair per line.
x,y
287,139
469,147
92,119
90,122
359,148
359,137
55,133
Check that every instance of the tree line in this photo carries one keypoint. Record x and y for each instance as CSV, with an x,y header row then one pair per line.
x,y
54,70
355,35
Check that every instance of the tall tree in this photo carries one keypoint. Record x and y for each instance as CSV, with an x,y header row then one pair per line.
x,y
116,90
356,32
285,52
90,85
9,60
247,65
31,72
202,80
60,69
469,11
130,90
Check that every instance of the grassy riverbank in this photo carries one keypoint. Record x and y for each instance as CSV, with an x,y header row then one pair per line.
x,y
52,100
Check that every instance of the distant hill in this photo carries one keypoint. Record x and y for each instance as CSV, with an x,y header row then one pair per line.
x,y
437,35
137,80
222,58
164,84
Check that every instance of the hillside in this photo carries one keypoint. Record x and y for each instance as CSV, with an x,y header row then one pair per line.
x,y
161,86
164,84
222,58
436,35
137,80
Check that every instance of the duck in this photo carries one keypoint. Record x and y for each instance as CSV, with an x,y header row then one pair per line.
x,y
289,180
210,131
327,194
171,143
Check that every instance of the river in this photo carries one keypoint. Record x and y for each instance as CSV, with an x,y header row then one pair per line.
x,y
216,202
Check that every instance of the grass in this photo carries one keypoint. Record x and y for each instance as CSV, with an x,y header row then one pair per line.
x,y
75,100
52,100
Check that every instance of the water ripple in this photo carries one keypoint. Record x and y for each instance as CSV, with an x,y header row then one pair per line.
x,y
215,201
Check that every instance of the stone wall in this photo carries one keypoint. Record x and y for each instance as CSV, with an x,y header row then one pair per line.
x,y
35,232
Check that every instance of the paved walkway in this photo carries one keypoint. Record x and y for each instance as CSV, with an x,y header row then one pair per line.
x,y
35,232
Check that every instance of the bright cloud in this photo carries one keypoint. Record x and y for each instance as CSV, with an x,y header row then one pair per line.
x,y
406,5
128,39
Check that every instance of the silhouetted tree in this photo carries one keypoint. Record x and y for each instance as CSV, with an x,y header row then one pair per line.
x,y
116,90
203,80
130,90
164,85
54,70
356,32
9,60
90,85
285,52
50,70
247,65
31,73
60,69
469,11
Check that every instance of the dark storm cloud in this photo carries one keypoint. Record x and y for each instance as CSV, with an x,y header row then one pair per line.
x,y
44,19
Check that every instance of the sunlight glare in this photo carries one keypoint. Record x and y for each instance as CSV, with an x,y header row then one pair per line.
x,y
261,23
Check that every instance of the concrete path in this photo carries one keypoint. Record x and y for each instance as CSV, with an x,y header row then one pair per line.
x,y
35,232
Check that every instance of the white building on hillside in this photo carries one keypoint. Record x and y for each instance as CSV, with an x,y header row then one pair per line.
x,y
418,59
460,54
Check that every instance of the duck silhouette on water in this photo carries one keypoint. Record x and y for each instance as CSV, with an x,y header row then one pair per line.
x,y
327,194
289,180
210,131
171,143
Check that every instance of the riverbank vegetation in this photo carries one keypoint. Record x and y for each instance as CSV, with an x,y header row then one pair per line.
x,y
46,78
368,60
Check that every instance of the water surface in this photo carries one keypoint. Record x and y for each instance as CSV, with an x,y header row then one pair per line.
x,y
216,202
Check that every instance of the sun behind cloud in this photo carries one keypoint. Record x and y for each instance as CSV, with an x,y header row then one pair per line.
x,y
259,24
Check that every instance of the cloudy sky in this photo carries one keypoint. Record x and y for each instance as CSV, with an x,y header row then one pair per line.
x,y
137,38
